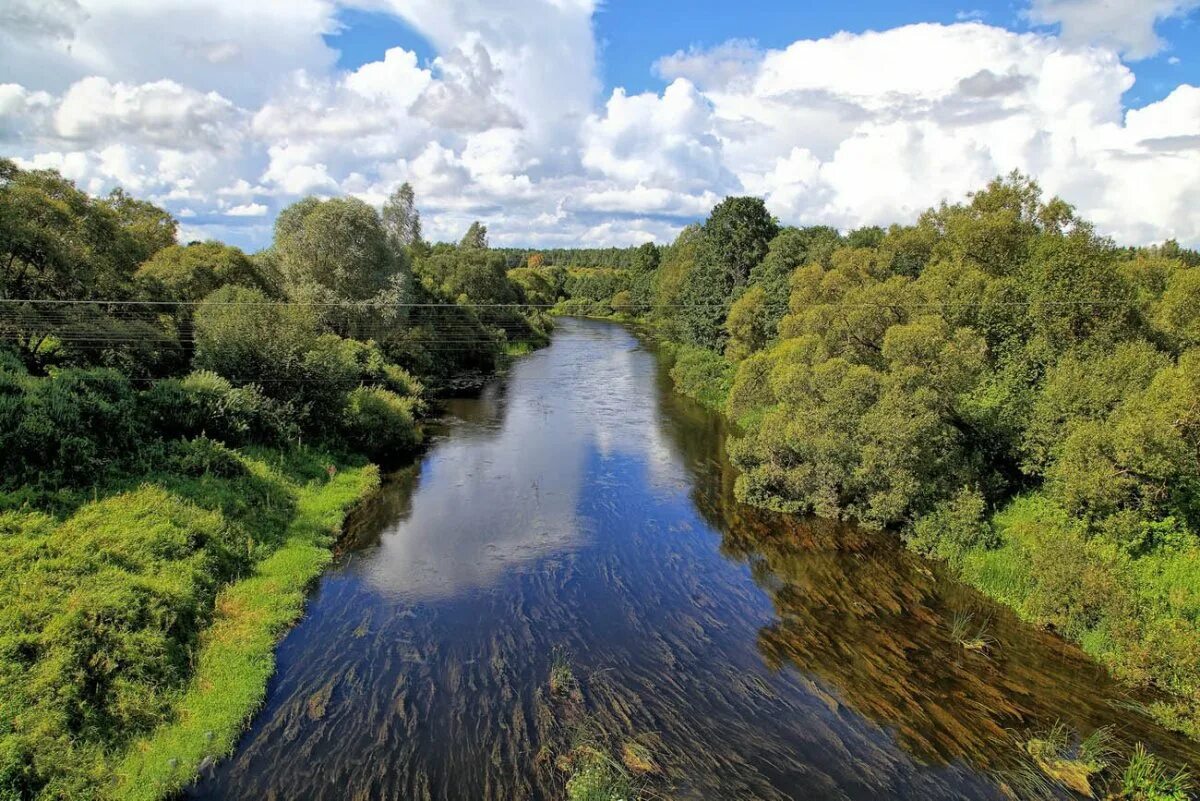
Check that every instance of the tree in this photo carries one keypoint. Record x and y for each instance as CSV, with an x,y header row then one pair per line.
x,y
736,237
244,336
59,244
642,271
791,249
401,219
476,237
149,229
335,250
188,273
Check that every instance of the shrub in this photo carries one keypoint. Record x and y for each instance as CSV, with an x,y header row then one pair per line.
x,y
69,426
953,527
703,375
206,403
204,457
379,423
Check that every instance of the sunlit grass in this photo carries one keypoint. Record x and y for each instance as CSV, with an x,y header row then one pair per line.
x,y
138,620
236,657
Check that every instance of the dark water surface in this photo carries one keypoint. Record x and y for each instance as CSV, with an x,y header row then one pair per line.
x,y
580,509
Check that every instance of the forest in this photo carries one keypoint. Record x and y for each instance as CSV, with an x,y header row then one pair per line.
x,y
182,428
1010,392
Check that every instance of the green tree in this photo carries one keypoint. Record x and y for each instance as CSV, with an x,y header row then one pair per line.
x,y
476,237
401,219
188,273
791,249
244,336
334,250
736,238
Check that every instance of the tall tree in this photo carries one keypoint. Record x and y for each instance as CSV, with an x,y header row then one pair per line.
x,y
736,238
401,219
336,249
476,237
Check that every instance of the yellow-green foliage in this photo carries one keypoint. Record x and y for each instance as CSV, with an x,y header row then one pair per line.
x,y
379,423
153,613
923,376
701,374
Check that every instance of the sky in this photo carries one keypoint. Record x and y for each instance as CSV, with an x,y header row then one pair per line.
x,y
588,123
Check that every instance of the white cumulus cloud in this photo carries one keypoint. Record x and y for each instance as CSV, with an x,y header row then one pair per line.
x,y
226,110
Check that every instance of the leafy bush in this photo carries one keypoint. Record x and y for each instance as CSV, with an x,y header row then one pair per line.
x,y
953,528
70,426
379,423
203,457
702,375
206,403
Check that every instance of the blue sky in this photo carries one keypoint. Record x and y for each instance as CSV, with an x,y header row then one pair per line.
x,y
583,122
634,35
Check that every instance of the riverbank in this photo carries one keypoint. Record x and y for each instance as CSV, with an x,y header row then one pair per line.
x,y
237,653
1133,613
145,619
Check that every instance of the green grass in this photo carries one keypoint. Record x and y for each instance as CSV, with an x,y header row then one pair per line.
x,y
237,653
1137,614
137,630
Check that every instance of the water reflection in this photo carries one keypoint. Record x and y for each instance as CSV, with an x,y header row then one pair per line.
x,y
581,506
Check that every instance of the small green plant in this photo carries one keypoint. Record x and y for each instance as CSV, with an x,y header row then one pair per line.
x,y
562,677
597,777
971,637
1069,761
1146,778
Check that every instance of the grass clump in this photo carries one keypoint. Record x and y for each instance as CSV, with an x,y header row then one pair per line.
x,y
1146,778
1072,763
596,776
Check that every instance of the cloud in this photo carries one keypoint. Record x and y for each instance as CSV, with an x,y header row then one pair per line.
x,y
230,110
1126,26
233,47
465,96
247,210
716,67
668,140
40,19
162,113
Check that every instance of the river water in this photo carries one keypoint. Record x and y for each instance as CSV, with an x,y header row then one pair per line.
x,y
578,513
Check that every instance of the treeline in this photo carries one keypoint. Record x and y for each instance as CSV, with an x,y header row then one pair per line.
x,y
184,423
611,258
1012,392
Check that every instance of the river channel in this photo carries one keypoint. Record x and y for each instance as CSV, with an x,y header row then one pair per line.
x,y
579,514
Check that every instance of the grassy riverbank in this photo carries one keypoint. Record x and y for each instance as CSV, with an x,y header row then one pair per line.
x,y
139,626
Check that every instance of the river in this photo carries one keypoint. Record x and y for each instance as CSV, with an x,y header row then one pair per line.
x,y
579,513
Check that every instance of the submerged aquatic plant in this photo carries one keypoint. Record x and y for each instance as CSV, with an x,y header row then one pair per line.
x,y
562,677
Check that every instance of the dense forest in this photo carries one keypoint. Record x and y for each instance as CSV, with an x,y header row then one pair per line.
x,y
181,430
1010,391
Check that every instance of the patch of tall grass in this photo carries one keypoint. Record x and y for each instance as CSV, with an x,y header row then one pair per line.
x,y
137,629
